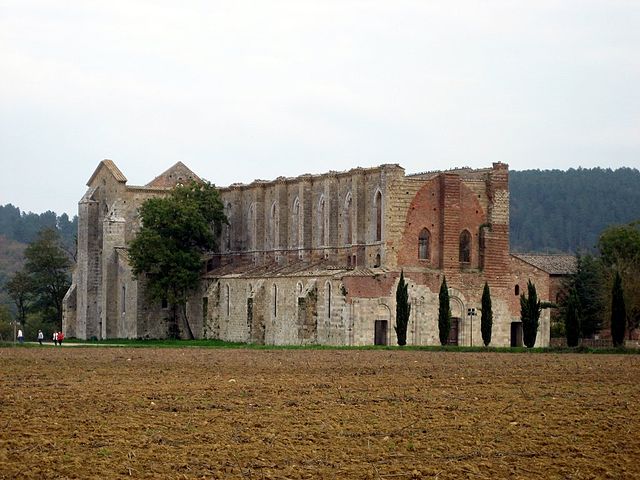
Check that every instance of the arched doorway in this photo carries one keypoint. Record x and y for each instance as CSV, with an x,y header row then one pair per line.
x,y
457,309
381,325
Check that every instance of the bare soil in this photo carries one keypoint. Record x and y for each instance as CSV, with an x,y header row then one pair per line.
x,y
250,414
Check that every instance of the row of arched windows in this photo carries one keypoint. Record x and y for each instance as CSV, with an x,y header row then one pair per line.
x,y
273,223
424,246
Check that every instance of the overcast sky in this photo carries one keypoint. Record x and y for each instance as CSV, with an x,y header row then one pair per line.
x,y
239,90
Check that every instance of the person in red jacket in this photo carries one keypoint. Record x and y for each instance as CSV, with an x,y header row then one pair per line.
x,y
60,338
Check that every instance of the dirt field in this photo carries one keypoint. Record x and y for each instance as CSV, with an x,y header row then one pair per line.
x,y
247,414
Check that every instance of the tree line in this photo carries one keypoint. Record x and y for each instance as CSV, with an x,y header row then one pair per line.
x,y
566,211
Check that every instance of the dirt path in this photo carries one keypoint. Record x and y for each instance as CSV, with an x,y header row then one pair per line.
x,y
246,414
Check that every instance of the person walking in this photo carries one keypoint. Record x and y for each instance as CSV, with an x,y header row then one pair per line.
x,y
60,338
20,336
40,337
55,338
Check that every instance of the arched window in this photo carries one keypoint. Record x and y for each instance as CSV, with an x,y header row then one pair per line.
x,y
275,300
465,247
251,226
272,226
227,228
348,220
321,221
378,261
378,204
228,300
295,224
327,298
424,245
516,290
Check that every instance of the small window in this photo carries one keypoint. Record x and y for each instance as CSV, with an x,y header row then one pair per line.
x,y
377,264
516,290
165,303
275,300
423,245
465,247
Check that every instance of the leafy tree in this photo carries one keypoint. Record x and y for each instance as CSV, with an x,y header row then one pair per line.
x,y
486,318
444,313
618,312
530,308
20,288
48,265
572,321
176,230
6,328
403,308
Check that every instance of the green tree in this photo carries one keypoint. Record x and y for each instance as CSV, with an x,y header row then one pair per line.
x,y
530,308
486,318
20,288
588,285
444,313
618,312
620,253
167,252
403,309
48,266
572,320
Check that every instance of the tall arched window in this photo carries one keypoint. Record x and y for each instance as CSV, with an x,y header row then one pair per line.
x,y
227,228
228,300
378,204
272,226
295,224
348,219
424,245
321,239
465,247
251,226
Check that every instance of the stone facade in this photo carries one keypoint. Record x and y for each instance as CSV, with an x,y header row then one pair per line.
x,y
315,259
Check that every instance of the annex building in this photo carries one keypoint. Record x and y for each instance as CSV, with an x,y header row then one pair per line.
x,y
316,259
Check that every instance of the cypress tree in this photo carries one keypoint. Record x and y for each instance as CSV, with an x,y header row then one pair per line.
x,y
618,312
444,313
486,319
530,309
572,320
403,308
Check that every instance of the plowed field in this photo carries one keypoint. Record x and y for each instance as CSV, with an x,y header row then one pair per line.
x,y
249,414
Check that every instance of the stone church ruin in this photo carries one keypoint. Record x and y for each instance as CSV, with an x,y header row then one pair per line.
x,y
316,259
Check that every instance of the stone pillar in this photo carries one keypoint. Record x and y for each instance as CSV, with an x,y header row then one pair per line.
x,y
496,262
113,236
88,270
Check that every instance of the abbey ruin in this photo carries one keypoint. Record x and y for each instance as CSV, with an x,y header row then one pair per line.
x,y
316,259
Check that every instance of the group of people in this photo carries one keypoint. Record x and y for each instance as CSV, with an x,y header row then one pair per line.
x,y
57,337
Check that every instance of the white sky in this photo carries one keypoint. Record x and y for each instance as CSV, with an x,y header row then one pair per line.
x,y
239,90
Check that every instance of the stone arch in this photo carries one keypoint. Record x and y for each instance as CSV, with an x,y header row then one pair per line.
x,y
381,325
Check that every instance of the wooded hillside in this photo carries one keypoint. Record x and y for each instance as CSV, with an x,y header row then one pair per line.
x,y
565,211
